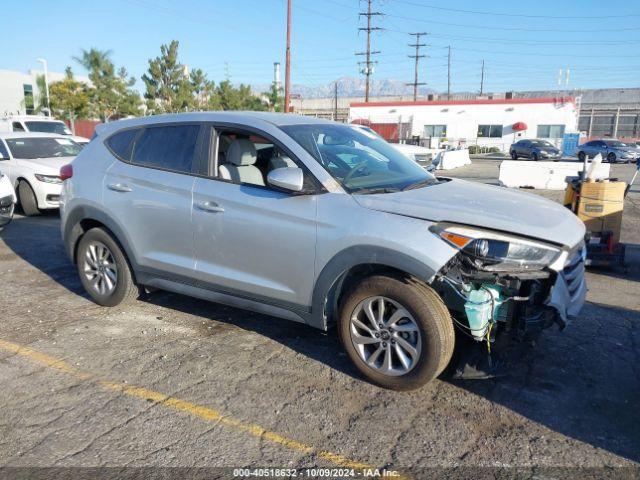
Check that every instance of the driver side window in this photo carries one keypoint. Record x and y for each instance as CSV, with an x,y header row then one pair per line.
x,y
246,158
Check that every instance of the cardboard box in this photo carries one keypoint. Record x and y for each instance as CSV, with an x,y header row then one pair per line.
x,y
601,205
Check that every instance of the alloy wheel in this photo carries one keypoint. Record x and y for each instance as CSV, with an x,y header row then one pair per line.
x,y
100,268
385,335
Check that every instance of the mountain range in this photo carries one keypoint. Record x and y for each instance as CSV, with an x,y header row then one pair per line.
x,y
352,87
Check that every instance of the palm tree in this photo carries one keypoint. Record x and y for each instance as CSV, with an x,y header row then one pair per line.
x,y
94,59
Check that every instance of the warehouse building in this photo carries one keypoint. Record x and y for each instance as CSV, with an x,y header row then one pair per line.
x,y
19,91
496,122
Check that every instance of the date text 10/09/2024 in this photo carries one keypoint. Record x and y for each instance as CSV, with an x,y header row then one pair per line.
x,y
315,473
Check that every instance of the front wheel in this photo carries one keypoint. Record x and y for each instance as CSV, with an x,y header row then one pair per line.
x,y
104,270
582,156
534,156
397,332
27,199
611,158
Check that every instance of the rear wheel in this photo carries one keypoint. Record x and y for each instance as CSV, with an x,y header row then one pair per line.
x,y
104,270
611,157
514,155
27,199
582,156
398,333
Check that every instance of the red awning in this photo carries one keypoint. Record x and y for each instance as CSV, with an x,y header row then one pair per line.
x,y
519,126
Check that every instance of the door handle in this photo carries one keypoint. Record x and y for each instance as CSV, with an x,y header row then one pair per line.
x,y
212,207
119,187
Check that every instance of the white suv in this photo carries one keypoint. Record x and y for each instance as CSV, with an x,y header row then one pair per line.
x,y
32,162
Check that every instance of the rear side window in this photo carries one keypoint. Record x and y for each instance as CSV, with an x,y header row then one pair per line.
x,y
121,143
17,127
168,147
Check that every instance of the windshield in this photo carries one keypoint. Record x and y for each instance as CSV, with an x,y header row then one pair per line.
x,y
615,144
540,143
360,161
48,127
42,147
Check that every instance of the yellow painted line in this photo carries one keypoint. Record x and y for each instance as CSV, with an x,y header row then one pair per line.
x,y
204,413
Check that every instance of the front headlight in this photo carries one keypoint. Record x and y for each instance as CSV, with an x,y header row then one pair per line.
x,y
495,252
48,178
544,154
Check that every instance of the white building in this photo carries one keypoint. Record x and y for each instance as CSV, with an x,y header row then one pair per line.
x,y
19,91
485,122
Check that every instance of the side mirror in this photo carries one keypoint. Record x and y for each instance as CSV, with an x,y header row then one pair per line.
x,y
290,179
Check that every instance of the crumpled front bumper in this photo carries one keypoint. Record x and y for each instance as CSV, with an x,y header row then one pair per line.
x,y
569,291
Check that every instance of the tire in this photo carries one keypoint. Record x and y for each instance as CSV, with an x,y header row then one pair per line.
x,y
582,156
514,156
97,281
27,199
534,157
611,158
427,326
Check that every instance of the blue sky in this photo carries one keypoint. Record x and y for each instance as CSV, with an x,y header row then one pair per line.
x,y
524,44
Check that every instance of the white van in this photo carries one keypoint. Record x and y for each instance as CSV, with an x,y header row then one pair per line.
x,y
38,123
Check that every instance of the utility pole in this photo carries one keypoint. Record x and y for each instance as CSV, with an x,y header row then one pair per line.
x,y
482,79
417,57
368,69
287,65
335,101
449,75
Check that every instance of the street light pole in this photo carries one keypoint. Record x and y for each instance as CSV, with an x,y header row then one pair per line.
x,y
46,84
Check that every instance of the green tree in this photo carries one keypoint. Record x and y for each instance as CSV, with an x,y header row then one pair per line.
x,y
110,95
275,98
204,91
69,97
169,88
240,98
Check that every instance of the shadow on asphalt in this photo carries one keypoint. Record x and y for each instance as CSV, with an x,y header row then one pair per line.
x,y
583,383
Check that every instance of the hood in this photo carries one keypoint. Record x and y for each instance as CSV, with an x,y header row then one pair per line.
x,y
486,206
45,166
626,149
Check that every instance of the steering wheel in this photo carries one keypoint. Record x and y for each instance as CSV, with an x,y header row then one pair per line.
x,y
354,170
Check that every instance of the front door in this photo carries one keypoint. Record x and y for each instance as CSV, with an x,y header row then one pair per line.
x,y
253,240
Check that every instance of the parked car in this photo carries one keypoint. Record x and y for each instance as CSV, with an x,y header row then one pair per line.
x,y
612,151
39,124
32,162
535,150
7,200
421,155
319,223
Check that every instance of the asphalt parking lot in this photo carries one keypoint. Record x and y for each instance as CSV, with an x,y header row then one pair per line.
x,y
174,381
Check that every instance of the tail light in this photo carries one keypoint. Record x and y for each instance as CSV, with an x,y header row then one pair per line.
x,y
66,172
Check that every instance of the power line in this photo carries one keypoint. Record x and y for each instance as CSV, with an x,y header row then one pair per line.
x,y
521,15
417,57
368,69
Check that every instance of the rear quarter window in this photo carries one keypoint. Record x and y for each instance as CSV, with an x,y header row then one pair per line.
x,y
121,143
170,147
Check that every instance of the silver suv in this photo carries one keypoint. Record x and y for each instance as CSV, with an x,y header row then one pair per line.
x,y
323,224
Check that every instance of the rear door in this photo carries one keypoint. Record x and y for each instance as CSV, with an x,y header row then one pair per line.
x,y
523,148
149,191
251,240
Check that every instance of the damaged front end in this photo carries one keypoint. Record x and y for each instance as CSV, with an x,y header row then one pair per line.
x,y
500,283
